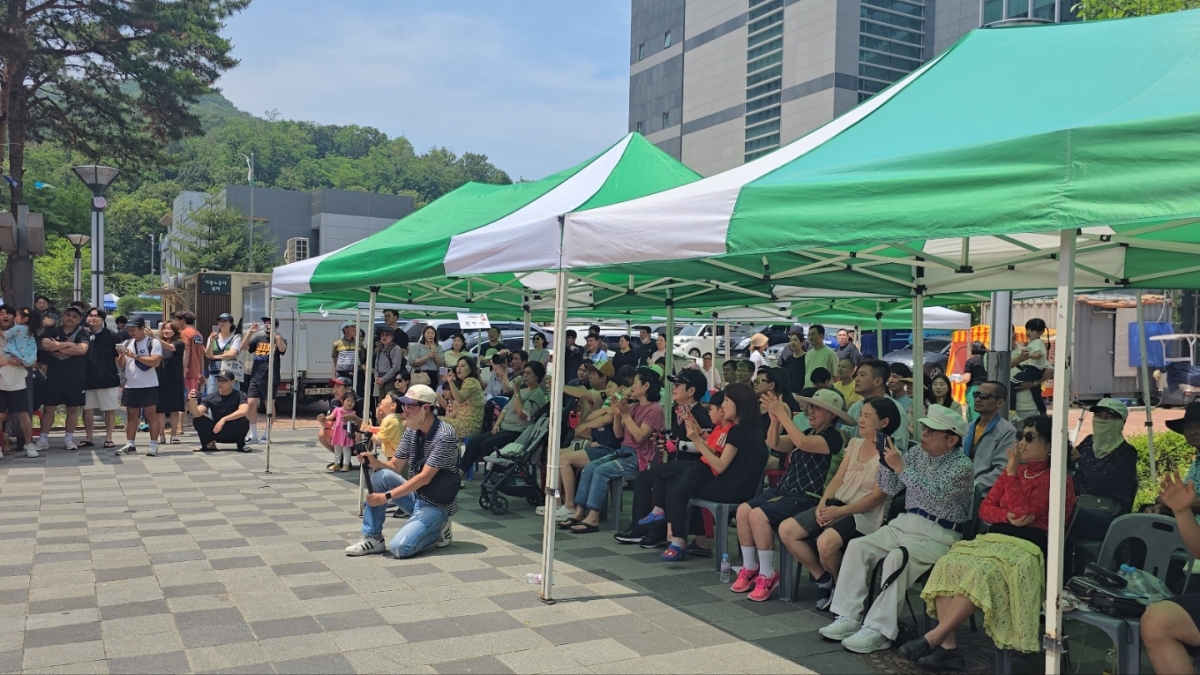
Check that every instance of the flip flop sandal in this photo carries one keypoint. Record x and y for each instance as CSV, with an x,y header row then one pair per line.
x,y
585,528
175,440
567,524
87,444
108,444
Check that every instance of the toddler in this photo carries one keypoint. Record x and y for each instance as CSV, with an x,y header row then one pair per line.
x,y
1030,364
340,437
21,344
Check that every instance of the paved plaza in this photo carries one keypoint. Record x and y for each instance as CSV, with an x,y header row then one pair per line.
x,y
202,562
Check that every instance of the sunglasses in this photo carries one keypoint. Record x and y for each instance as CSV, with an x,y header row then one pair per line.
x,y
1028,437
981,396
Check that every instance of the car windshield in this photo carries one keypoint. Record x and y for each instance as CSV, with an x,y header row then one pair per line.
x,y
932,345
691,330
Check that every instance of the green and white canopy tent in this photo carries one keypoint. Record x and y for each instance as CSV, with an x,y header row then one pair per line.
x,y
1022,158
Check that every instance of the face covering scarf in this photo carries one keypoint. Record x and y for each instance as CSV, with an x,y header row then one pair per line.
x,y
1107,435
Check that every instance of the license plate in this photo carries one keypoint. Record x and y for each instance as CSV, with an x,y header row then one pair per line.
x,y
318,391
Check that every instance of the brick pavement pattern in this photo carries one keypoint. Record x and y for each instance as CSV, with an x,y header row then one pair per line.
x,y
200,562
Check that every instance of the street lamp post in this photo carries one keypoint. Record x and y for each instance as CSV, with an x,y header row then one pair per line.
x,y
250,230
79,241
97,178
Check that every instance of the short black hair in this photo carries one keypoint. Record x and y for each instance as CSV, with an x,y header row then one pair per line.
x,y
1001,386
820,375
594,329
1036,324
651,377
538,368
885,408
122,319
571,333
878,368
521,353
817,327
899,369
99,312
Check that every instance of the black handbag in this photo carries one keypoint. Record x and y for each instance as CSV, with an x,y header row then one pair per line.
x,y
1105,592
445,484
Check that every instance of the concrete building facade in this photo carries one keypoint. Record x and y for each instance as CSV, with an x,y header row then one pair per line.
x,y
328,219
716,83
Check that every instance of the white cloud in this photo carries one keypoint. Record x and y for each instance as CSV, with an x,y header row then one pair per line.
x,y
534,96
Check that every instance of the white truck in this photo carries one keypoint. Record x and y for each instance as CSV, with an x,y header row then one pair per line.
x,y
307,366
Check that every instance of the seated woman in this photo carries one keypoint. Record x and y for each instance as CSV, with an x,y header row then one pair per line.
x,y
939,393
1105,472
466,395
851,506
636,418
517,414
730,465
1169,628
1001,572
758,518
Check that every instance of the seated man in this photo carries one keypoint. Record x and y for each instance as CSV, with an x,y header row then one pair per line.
x,y
220,417
430,447
937,480
990,437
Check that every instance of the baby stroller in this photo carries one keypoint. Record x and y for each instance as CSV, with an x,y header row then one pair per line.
x,y
516,470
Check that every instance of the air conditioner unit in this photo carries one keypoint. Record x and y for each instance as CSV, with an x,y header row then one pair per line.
x,y
297,249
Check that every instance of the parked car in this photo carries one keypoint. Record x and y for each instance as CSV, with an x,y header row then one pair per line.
x,y
696,338
446,330
777,333
934,358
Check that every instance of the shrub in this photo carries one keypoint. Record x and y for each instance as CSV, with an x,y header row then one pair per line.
x,y
1171,453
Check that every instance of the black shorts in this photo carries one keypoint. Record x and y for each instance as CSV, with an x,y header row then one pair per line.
x,y
779,508
58,392
844,526
140,398
256,389
1190,604
14,401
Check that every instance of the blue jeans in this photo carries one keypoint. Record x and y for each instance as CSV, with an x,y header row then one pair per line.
x,y
423,528
592,492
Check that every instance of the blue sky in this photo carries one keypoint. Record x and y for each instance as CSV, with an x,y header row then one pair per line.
x,y
536,85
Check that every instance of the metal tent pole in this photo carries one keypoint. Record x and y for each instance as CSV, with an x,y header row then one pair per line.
x,y
918,404
357,323
1058,453
528,336
712,370
295,373
554,442
1141,326
271,384
369,371
728,345
879,330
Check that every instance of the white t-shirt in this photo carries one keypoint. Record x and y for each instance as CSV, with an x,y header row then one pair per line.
x,y
1038,347
138,375
758,359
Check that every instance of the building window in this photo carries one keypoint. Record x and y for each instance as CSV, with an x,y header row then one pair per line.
x,y
641,129
666,39
641,51
666,119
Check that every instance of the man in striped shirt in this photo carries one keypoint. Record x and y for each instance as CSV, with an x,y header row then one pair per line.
x,y
431,447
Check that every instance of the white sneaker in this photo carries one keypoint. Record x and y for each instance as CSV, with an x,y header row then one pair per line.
x,y
841,628
41,443
541,510
562,513
153,451
262,440
447,536
128,449
31,450
69,444
367,546
866,640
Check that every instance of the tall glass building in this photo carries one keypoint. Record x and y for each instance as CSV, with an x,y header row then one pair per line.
x,y
716,83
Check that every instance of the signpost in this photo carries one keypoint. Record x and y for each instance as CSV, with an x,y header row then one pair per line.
x,y
477,321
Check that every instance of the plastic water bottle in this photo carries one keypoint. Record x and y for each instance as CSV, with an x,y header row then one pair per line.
x,y
535,578
1134,581
725,568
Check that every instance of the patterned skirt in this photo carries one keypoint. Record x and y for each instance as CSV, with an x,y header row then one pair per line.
x,y
1005,577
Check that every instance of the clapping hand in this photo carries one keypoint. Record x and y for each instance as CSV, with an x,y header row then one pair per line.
x,y
1176,493
776,406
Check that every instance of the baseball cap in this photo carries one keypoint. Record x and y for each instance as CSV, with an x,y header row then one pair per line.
x,y
419,394
944,419
225,316
222,375
605,368
690,377
380,330
78,311
829,400
136,322
1111,404
347,324
344,381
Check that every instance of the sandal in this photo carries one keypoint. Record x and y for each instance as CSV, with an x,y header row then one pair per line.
x,y
585,528
175,440
568,523
109,444
674,553
87,444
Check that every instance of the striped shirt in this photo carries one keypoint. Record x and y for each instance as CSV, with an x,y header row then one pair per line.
x,y
441,451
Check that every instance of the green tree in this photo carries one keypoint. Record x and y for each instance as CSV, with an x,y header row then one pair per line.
x,y
1119,9
131,222
215,238
66,68
54,272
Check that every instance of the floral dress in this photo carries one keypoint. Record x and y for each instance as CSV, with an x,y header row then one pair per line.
x,y
468,410
1003,572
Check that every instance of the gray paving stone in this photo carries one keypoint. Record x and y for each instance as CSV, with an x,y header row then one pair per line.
x,y
175,556
316,665
483,664
206,618
311,567
213,636
62,635
132,609
172,662
217,544
484,574
275,628
189,590
119,573
14,570
10,662
363,618
568,633
430,629
57,604
491,622
237,562
322,591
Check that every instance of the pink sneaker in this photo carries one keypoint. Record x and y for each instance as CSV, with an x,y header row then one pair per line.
x,y
745,580
763,587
